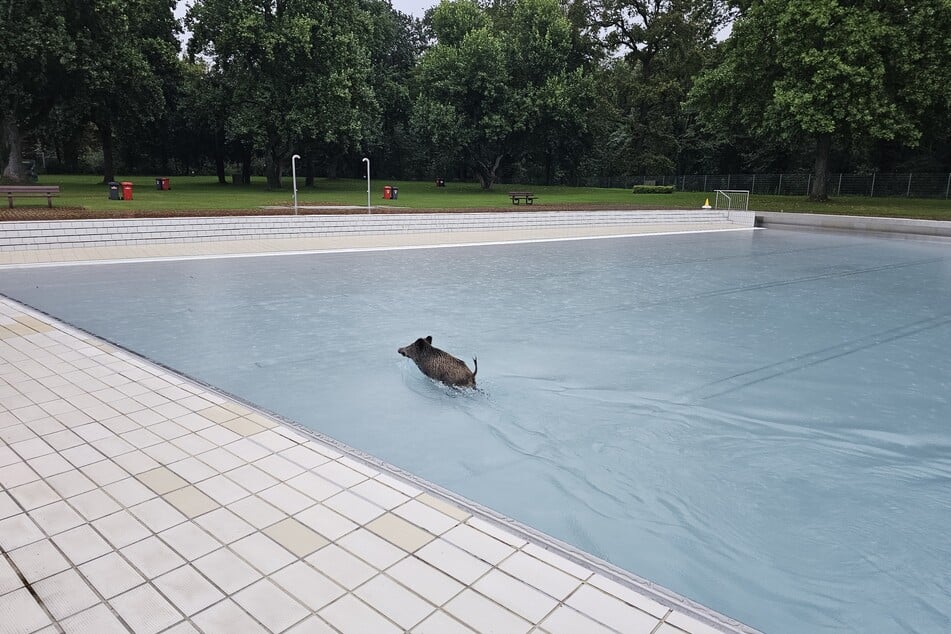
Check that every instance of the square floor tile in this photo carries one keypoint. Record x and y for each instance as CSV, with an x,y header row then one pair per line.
x,y
191,501
162,480
228,571
517,596
192,469
129,492
50,464
222,490
375,550
31,448
270,605
478,543
220,459
307,585
339,474
426,517
136,462
188,590
257,512
93,504
629,595
341,566
243,426
104,472
152,557
383,496
34,494
82,455
21,608
56,518
18,530
192,444
38,560
63,439
537,573
190,541
81,544
609,610
224,525
111,575
565,620
453,561
251,478
304,457
287,499
433,585
16,474
145,610
262,552
193,421
394,601
121,528
65,594
226,617
353,507
441,623
327,522
484,615
295,537
112,446
400,532
280,468
157,514
314,486
272,440
99,619
349,614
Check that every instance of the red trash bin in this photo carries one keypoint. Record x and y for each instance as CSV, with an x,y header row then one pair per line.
x,y
387,192
166,185
126,190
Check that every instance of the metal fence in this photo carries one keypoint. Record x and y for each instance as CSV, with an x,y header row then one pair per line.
x,y
912,185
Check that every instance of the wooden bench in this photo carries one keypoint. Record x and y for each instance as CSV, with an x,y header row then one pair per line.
x,y
29,191
517,197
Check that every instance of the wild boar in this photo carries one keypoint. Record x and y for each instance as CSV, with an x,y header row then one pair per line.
x,y
440,365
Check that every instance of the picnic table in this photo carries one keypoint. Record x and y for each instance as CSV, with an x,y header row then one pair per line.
x,y
29,191
517,197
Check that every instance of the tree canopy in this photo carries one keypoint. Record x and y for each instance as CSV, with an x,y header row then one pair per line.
x,y
548,91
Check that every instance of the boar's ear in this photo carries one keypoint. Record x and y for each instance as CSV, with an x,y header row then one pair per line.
x,y
429,339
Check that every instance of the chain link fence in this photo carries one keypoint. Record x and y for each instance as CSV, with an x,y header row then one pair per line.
x,y
911,185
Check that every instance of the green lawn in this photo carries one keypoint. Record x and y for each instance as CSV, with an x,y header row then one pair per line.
x,y
192,195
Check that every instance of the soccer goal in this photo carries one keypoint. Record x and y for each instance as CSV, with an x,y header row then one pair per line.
x,y
738,199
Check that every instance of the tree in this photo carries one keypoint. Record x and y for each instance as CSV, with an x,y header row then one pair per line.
x,y
298,71
33,43
494,81
659,46
835,73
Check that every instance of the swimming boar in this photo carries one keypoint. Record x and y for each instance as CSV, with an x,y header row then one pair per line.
x,y
440,365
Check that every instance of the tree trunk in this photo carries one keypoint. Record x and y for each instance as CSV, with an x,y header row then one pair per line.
x,y
309,171
273,170
11,139
819,189
108,162
246,168
220,158
487,173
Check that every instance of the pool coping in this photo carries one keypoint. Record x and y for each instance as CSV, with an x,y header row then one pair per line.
x,y
882,226
689,615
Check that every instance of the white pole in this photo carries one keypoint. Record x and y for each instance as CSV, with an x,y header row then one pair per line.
x,y
367,161
294,178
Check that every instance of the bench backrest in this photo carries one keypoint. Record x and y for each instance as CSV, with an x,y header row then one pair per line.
x,y
28,189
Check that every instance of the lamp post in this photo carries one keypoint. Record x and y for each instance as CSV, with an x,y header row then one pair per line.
x,y
294,178
367,161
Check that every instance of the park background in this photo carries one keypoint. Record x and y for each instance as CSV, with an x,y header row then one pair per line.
x,y
602,93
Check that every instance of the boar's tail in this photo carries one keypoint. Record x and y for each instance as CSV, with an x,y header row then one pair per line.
x,y
475,364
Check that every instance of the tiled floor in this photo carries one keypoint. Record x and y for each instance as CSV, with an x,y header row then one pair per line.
x,y
133,499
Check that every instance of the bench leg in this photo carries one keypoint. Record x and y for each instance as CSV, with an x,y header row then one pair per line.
x,y
49,202
10,201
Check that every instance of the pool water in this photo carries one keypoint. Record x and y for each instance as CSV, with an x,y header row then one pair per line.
x,y
757,420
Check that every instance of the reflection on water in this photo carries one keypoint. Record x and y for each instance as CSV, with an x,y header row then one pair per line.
x,y
757,421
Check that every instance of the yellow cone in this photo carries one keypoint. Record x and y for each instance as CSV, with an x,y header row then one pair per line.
x,y
706,204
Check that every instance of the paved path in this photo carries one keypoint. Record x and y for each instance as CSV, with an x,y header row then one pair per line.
x,y
133,499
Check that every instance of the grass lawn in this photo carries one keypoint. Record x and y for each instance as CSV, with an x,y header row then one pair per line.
x,y
85,197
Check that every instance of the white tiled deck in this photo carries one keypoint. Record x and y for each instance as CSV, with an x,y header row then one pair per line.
x,y
134,499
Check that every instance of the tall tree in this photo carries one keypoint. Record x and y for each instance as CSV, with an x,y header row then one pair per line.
x,y
657,47
833,72
493,81
298,70
33,45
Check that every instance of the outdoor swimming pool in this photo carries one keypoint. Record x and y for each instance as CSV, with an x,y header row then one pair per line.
x,y
757,420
